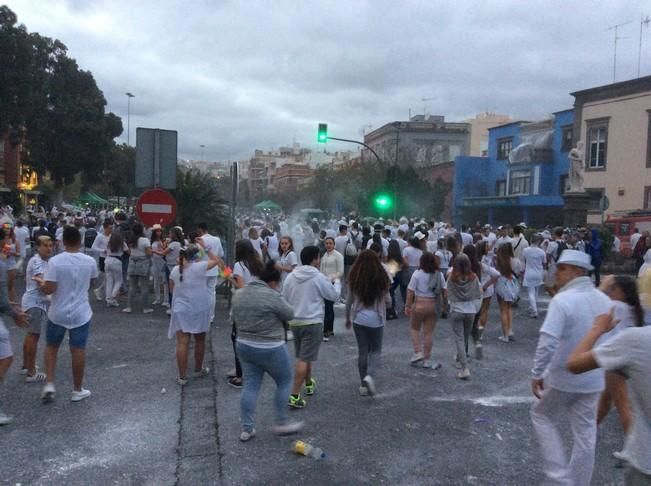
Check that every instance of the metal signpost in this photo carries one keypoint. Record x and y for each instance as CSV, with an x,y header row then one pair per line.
x,y
156,158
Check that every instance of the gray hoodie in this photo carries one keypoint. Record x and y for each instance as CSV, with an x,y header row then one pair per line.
x,y
305,289
259,312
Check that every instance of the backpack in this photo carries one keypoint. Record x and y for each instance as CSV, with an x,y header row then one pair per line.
x,y
89,237
561,246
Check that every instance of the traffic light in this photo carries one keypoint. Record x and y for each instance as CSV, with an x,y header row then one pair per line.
x,y
383,202
322,134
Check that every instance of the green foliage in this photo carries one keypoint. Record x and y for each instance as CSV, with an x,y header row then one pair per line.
x,y
52,106
199,199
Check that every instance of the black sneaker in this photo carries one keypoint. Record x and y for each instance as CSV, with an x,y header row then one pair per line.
x,y
295,401
235,382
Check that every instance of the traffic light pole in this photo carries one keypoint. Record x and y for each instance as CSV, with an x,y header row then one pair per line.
x,y
358,143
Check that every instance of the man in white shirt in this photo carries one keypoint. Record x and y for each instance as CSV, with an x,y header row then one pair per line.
x,y
626,354
489,236
635,237
211,244
24,243
466,237
67,279
560,393
519,243
100,244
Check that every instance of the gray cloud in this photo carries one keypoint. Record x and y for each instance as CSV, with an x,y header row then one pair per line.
x,y
236,76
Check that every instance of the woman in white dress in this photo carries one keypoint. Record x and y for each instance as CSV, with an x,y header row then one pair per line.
x,y
190,314
535,261
507,288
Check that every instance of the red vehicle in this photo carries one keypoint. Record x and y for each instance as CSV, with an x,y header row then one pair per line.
x,y
623,227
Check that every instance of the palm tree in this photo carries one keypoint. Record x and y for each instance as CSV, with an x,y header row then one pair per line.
x,y
199,200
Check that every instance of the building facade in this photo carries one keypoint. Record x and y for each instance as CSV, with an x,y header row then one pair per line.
x,y
479,126
290,177
522,179
614,122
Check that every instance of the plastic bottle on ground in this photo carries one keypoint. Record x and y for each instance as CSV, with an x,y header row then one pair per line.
x,y
305,449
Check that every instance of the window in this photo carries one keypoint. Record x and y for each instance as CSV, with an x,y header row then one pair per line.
x,y
647,197
568,136
504,147
520,182
500,188
597,144
563,185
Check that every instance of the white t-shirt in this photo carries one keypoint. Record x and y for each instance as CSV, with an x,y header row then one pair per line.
x,y
142,244
422,283
288,259
272,246
172,258
569,317
519,244
257,245
628,353
466,239
444,258
100,244
403,244
340,243
534,260
72,273
385,246
214,245
411,255
22,237
33,297
242,270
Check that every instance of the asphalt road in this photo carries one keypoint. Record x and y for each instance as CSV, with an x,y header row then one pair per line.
x,y
139,427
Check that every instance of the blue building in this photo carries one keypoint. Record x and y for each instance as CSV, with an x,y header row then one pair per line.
x,y
523,178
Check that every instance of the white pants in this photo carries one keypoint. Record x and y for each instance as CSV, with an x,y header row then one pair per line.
x,y
581,411
211,282
532,292
113,274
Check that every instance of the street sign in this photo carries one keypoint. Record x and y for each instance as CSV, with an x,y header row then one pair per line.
x,y
156,206
604,203
156,157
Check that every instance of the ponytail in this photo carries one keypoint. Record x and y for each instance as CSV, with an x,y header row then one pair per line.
x,y
182,259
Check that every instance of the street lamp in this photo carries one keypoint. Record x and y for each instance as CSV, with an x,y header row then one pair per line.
x,y
129,96
201,147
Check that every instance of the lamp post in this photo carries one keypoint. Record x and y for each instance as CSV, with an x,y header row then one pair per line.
x,y
129,96
201,147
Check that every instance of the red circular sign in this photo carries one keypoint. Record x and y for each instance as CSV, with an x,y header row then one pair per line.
x,y
156,206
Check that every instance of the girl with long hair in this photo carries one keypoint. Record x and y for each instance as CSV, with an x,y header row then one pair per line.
x,y
288,259
628,310
366,307
115,249
138,269
248,265
507,288
190,315
424,288
158,265
11,251
394,263
464,294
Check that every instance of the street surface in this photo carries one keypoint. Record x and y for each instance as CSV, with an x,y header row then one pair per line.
x,y
139,427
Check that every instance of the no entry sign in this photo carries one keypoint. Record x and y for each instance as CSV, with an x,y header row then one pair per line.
x,y
156,206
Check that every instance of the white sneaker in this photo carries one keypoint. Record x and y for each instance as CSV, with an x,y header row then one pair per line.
x,y
504,339
287,429
78,396
244,436
182,381
290,335
431,365
148,311
47,395
201,373
168,312
156,302
363,391
370,384
166,304
127,310
464,374
5,419
416,358
37,377
98,295
24,371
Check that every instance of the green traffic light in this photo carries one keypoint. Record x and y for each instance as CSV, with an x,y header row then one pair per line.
x,y
322,134
383,202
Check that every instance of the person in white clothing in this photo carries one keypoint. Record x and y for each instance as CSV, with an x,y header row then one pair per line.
x,y
519,243
561,394
138,270
25,248
158,265
191,307
535,260
626,354
256,241
68,278
34,304
332,266
288,259
212,244
99,248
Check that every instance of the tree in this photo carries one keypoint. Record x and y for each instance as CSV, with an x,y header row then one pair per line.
x,y
199,200
119,173
52,106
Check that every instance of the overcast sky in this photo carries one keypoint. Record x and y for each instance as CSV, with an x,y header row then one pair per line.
x,y
240,75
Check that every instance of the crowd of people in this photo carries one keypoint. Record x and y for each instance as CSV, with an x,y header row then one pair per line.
x,y
288,279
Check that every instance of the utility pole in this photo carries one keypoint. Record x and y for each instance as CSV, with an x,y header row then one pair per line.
x,y
129,96
644,22
615,28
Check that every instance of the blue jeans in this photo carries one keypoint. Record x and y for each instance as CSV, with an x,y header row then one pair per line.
x,y
255,362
